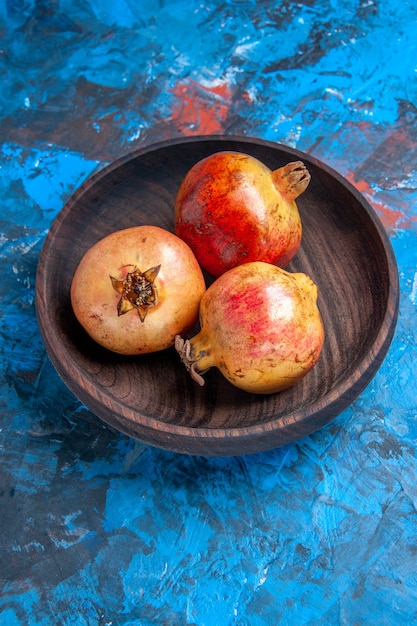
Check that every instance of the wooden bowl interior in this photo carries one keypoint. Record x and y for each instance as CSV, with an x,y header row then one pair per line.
x,y
152,397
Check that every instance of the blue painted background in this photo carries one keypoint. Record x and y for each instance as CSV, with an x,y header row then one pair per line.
x,y
97,529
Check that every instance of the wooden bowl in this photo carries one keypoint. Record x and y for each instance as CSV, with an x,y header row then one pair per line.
x,y
345,251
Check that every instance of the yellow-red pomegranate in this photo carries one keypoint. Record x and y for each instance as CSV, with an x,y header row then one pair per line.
x,y
260,326
232,209
136,289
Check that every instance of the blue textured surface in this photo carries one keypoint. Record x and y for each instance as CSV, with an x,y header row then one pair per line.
x,y
97,529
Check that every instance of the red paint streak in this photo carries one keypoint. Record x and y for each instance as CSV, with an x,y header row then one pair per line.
x,y
247,97
390,217
201,109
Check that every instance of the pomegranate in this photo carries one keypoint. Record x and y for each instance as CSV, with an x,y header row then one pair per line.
x,y
260,326
136,289
232,209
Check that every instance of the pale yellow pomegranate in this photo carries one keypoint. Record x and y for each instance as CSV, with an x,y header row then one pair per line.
x,y
260,326
136,289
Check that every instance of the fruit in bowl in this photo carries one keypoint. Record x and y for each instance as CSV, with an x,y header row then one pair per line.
x,y
232,209
260,326
136,289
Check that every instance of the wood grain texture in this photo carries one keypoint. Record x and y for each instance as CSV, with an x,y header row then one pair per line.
x,y
152,398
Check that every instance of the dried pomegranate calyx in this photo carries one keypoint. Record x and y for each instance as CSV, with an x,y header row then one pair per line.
x,y
183,347
137,290
292,179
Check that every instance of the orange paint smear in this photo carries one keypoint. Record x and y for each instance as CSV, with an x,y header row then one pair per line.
x,y
201,109
391,218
